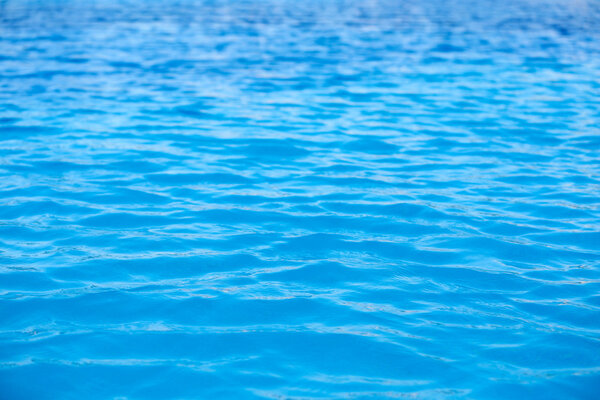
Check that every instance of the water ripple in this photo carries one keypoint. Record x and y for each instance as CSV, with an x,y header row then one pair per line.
x,y
340,199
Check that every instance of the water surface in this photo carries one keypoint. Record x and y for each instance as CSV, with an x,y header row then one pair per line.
x,y
299,199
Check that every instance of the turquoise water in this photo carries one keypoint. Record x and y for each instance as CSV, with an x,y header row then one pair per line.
x,y
299,200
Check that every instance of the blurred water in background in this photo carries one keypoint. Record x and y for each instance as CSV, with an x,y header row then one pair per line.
x,y
299,199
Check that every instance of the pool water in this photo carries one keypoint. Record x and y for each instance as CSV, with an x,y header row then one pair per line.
x,y
299,199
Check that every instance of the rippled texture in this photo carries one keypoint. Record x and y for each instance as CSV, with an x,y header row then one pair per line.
x,y
299,200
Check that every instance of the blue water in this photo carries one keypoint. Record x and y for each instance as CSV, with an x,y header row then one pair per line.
x,y
299,199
